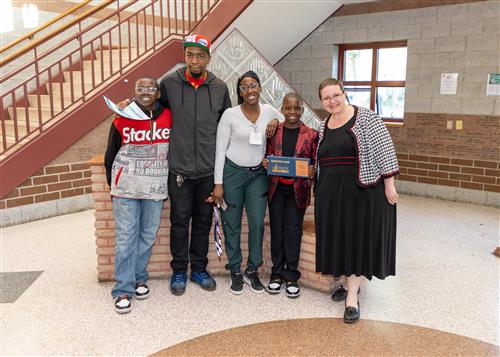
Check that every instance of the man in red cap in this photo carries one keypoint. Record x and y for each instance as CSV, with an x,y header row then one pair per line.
x,y
197,99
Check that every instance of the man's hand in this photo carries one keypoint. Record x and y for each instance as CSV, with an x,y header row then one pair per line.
x,y
265,163
311,172
271,127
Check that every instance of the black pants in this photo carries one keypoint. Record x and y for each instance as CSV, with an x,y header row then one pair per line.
x,y
286,233
187,203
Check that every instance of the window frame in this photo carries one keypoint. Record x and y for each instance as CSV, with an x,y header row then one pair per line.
x,y
373,83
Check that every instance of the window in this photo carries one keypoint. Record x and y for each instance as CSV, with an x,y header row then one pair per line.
x,y
374,76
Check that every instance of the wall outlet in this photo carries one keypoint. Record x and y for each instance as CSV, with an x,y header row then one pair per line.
x,y
449,125
458,125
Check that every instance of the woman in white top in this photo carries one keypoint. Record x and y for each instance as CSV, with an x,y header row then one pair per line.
x,y
241,180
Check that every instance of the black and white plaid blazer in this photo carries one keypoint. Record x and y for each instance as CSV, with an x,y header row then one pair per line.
x,y
374,148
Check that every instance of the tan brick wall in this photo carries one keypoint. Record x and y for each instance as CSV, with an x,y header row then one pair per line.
x,y
470,174
159,265
51,183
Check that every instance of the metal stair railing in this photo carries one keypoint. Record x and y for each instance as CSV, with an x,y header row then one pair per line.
x,y
67,73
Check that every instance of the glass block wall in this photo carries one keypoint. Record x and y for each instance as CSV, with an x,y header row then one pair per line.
x,y
235,55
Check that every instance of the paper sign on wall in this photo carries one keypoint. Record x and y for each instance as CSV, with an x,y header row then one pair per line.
x,y
449,83
493,84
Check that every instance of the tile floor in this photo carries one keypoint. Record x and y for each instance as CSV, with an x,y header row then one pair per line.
x,y
447,279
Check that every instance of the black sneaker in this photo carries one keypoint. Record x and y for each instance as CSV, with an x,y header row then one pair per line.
x,y
123,304
141,291
236,283
275,286
292,289
252,279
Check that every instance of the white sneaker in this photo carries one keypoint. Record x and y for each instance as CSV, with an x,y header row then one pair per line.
x,y
275,285
292,289
141,291
123,304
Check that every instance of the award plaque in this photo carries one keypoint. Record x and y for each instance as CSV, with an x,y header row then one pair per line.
x,y
288,166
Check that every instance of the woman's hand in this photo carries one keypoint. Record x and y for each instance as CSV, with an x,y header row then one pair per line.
x,y
271,127
390,190
311,172
265,163
218,194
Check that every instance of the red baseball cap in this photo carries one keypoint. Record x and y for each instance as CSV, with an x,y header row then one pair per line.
x,y
197,40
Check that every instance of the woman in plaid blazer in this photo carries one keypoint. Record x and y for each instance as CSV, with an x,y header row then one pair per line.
x,y
355,204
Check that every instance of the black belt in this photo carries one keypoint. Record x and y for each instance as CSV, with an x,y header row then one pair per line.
x,y
251,168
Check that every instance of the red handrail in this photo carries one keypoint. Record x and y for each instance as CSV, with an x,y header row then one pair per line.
x,y
67,74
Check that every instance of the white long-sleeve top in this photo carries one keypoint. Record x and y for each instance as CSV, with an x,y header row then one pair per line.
x,y
233,138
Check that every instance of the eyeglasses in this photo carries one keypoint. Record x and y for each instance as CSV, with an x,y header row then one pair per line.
x,y
333,97
149,90
245,87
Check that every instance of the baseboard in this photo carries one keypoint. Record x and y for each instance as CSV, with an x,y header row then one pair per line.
x,y
36,211
456,194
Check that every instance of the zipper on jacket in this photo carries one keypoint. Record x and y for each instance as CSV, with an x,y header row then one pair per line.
x,y
195,131
151,126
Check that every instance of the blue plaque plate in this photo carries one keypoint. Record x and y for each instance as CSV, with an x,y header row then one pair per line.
x,y
288,166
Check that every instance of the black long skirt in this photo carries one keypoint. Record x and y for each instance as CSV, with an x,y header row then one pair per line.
x,y
355,226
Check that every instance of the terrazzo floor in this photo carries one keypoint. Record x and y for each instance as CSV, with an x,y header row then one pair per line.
x,y
447,280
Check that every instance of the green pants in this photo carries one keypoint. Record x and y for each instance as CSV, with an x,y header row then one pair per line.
x,y
244,187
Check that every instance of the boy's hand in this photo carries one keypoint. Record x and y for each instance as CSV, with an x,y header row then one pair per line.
x,y
312,171
123,103
271,127
265,163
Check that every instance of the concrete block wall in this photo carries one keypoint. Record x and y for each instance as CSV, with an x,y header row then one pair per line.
x,y
462,38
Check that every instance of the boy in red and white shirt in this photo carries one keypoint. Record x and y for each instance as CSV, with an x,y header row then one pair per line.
x,y
137,172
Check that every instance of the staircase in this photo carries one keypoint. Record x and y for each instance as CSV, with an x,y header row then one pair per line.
x,y
47,112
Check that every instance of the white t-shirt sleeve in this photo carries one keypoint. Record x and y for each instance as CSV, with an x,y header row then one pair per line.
x,y
223,137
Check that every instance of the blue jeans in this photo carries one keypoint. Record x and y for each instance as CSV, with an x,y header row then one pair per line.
x,y
136,222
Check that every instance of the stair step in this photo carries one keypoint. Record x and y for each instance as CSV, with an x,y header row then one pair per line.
x,y
87,76
87,65
33,115
45,101
10,140
22,130
115,53
55,89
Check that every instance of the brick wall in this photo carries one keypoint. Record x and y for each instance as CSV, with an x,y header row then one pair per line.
x,y
62,186
51,183
471,174
159,265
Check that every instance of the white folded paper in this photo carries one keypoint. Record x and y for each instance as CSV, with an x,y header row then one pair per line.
x,y
131,111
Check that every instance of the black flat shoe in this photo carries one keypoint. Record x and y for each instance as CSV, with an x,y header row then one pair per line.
x,y
351,314
340,294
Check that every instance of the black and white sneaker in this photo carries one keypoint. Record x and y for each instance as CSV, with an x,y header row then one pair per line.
x,y
123,304
275,286
252,279
236,283
141,291
292,289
